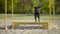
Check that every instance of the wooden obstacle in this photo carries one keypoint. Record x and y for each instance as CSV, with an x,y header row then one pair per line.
x,y
44,24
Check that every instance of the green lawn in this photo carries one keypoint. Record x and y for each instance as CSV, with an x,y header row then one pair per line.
x,y
27,17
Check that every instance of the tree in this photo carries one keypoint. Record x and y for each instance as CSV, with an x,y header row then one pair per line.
x,y
2,6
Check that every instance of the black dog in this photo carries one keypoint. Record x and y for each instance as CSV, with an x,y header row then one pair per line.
x,y
37,13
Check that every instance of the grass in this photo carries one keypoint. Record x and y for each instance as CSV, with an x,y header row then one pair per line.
x,y
27,17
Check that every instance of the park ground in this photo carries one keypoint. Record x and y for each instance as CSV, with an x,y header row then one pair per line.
x,y
29,18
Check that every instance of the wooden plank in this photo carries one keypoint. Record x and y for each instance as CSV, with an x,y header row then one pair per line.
x,y
45,24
